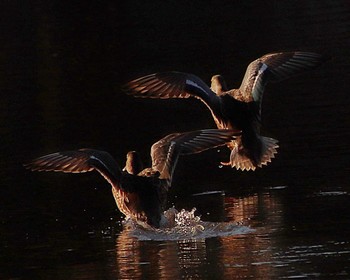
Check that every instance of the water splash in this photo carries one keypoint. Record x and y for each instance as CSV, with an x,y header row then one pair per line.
x,y
185,218
185,226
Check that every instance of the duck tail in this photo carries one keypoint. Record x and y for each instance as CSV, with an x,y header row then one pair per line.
x,y
269,149
240,160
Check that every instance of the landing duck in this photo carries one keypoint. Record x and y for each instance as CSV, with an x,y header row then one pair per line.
x,y
140,194
233,108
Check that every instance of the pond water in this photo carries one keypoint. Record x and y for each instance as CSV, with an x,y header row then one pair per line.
x,y
276,234
61,68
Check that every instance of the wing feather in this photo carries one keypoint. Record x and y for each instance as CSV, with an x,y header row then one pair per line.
x,y
83,160
171,85
273,67
166,151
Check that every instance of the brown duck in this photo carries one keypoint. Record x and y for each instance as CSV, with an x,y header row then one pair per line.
x,y
235,108
140,194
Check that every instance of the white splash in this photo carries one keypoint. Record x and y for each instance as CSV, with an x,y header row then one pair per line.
x,y
187,226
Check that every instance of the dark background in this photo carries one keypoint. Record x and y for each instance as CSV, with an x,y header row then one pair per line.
x,y
62,65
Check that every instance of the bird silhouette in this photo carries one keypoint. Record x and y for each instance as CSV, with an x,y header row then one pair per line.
x,y
235,108
140,194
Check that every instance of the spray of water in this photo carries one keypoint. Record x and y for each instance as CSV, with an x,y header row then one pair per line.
x,y
185,225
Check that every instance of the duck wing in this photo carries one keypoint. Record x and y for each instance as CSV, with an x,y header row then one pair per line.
x,y
166,151
171,84
136,197
273,67
79,161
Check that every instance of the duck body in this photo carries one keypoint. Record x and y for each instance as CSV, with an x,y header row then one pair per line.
x,y
249,150
236,108
144,199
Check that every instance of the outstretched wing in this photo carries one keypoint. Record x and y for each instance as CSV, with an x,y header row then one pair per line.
x,y
173,84
274,67
166,151
83,160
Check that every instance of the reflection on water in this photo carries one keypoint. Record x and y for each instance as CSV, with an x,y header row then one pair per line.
x,y
271,251
240,255
191,258
166,260
257,209
280,245
183,252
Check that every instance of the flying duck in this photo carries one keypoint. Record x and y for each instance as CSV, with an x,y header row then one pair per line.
x,y
233,108
140,194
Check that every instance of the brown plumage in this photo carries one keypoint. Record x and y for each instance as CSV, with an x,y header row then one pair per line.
x,y
140,194
236,108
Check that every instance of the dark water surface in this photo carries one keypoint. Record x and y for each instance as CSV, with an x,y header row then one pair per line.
x,y
61,68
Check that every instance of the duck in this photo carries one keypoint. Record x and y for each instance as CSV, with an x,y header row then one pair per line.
x,y
238,108
140,193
